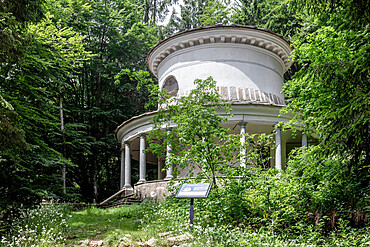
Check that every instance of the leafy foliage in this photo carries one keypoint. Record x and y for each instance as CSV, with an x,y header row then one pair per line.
x,y
195,14
50,54
197,127
197,138
331,187
329,96
57,85
91,57
102,98
212,226
276,16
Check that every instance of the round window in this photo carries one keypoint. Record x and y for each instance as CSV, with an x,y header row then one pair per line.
x,y
171,86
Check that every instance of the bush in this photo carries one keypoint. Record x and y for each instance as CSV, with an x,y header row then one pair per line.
x,y
259,198
332,188
43,225
308,204
211,228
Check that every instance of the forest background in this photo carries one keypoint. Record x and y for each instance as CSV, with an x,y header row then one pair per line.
x,y
72,70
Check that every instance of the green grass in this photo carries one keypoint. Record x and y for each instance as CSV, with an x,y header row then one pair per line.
x,y
109,225
57,225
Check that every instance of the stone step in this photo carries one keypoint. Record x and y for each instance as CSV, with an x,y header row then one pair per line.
x,y
124,201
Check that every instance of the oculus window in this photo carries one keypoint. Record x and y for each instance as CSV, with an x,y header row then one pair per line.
x,y
171,86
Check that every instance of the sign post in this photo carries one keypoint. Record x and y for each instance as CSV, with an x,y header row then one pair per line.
x,y
192,191
191,214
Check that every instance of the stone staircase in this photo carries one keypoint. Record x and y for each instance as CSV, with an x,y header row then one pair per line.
x,y
121,198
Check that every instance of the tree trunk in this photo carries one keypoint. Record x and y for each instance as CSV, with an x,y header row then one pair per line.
x,y
63,136
154,11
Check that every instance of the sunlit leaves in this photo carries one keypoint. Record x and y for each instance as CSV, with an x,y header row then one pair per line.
x,y
197,138
330,98
330,95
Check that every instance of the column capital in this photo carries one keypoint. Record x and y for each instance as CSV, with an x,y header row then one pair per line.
x,y
127,142
144,134
243,123
168,128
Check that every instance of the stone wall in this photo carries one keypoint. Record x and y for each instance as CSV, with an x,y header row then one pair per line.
x,y
153,190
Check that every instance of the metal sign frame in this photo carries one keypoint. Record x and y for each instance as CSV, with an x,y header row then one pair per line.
x,y
200,190
191,191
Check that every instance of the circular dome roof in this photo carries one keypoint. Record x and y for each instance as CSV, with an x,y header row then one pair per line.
x,y
248,35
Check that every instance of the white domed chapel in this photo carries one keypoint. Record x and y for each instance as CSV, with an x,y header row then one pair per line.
x,y
248,65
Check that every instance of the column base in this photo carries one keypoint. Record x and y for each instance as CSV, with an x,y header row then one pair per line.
x,y
168,177
141,181
128,190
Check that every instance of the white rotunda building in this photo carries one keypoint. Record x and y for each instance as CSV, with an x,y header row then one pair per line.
x,y
248,64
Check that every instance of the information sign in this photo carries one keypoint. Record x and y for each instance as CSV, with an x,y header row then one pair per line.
x,y
194,190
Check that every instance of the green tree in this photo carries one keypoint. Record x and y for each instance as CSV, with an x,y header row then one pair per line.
x,y
14,16
276,16
156,10
195,14
188,18
329,97
215,12
197,138
48,54
252,12
95,102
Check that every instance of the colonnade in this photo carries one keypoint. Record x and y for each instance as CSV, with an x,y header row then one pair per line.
x,y
125,176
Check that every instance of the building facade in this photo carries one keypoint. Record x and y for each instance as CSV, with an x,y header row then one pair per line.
x,y
248,64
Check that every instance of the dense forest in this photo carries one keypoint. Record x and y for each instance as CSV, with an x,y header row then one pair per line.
x,y
71,71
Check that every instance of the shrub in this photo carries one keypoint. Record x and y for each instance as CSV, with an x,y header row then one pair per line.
x,y
41,226
331,187
211,228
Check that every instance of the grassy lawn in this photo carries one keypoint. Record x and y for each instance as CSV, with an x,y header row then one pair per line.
x,y
109,225
164,224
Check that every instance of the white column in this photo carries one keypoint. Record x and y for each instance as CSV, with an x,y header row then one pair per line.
x,y
159,168
169,169
142,159
304,142
127,166
243,151
278,158
122,177
204,159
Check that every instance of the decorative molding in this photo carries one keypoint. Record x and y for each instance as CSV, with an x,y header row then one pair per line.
x,y
239,95
243,123
247,36
243,112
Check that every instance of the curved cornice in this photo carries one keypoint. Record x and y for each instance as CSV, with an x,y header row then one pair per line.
x,y
132,121
258,113
220,34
